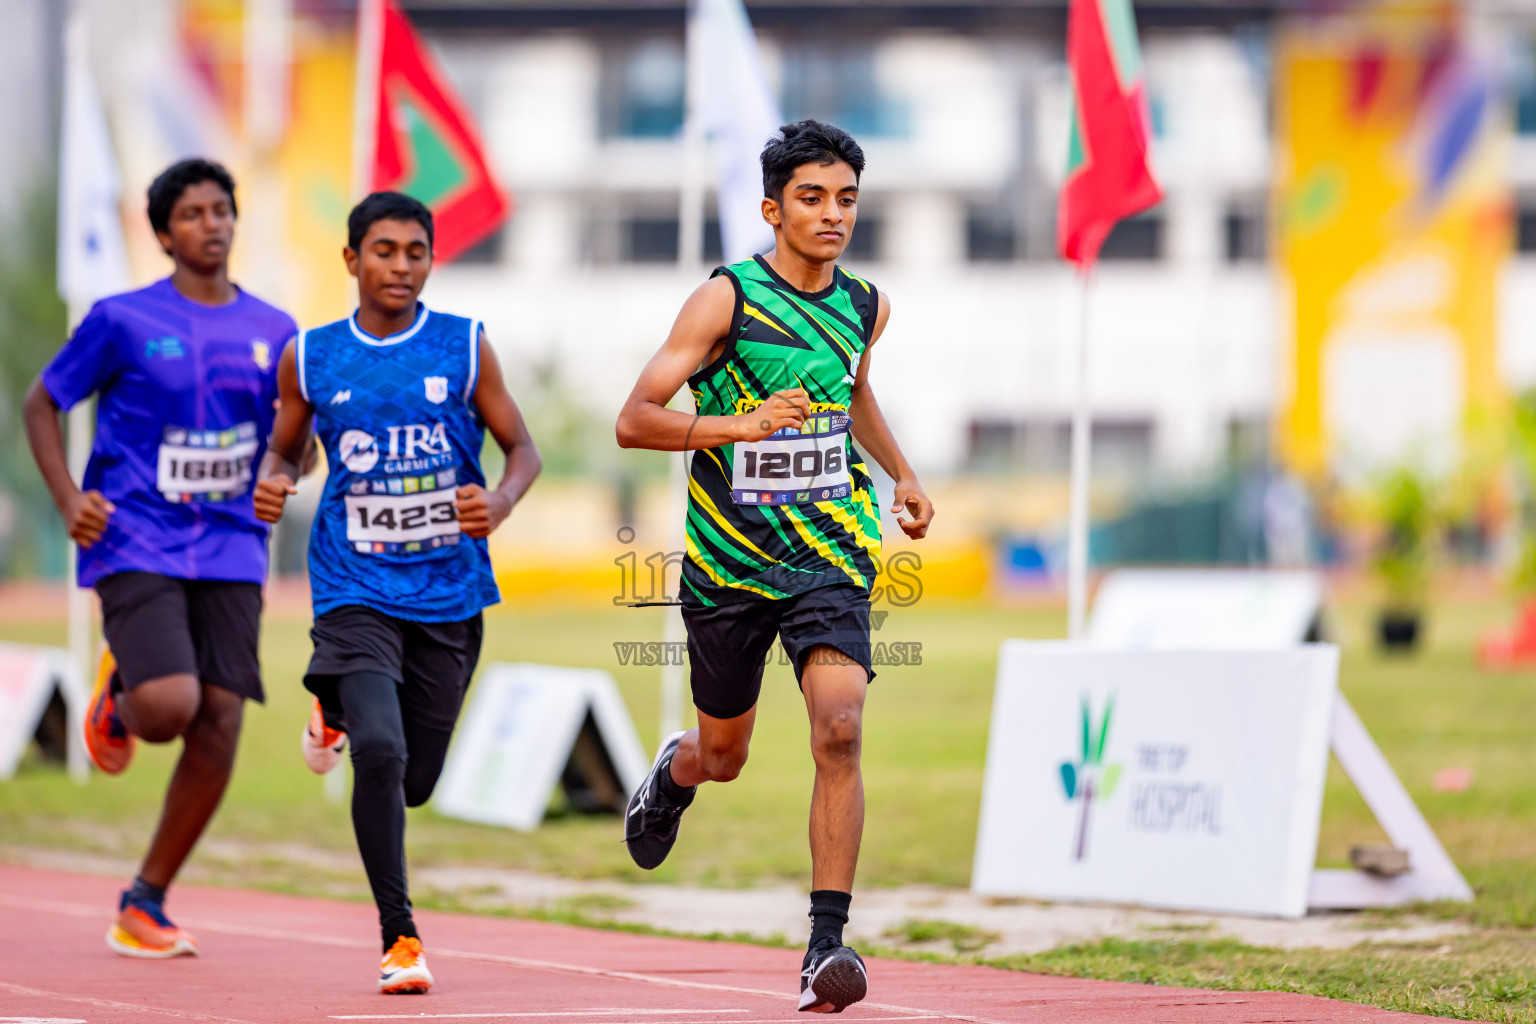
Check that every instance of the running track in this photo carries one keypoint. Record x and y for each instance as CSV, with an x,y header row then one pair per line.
x,y
270,959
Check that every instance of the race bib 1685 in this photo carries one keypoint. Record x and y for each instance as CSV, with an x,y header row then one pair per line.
x,y
205,465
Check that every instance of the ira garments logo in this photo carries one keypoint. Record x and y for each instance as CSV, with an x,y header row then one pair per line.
x,y
1090,778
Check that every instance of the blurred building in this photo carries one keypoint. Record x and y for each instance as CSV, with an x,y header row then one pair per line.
x,y
961,108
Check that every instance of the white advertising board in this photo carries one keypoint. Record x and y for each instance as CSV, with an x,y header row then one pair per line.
x,y
516,738
1183,779
28,677
1198,608
1150,609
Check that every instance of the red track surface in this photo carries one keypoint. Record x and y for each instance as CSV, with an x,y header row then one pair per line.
x,y
271,959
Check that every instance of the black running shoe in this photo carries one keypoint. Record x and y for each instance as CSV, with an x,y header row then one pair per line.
x,y
650,824
833,978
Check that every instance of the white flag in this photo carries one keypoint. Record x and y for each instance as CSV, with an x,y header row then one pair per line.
x,y
729,93
93,260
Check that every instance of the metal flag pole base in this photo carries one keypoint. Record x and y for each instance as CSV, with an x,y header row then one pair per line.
x,y
1082,446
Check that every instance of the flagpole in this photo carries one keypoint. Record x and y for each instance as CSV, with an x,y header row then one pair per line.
x,y
365,107
1082,447
81,433
690,254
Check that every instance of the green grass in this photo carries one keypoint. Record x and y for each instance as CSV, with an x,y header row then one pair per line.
x,y
925,748
1487,977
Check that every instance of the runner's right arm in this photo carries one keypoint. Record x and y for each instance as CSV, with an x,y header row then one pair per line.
x,y
85,512
646,422
290,444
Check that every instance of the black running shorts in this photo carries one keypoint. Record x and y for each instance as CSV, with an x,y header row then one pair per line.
x,y
159,626
432,662
729,643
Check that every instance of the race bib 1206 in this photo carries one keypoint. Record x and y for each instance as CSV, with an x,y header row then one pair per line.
x,y
794,467
205,465
402,515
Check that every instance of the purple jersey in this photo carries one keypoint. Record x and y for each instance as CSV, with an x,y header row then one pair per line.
x,y
186,407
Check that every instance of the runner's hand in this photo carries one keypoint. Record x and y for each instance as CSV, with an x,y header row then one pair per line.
x,y
86,517
480,511
910,497
787,408
271,495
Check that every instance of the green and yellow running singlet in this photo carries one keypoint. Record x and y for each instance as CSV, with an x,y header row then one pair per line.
x,y
796,511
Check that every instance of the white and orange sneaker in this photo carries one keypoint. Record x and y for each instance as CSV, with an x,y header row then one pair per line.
x,y
142,930
322,745
108,742
404,968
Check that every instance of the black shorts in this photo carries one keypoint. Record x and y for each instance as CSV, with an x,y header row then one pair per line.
x,y
431,662
159,626
729,643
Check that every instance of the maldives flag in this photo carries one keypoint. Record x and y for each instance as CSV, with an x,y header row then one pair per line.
x,y
415,135
1108,177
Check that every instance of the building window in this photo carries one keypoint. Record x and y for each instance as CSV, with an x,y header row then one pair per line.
x,y
1246,231
990,234
1136,238
642,90
864,243
1525,104
1525,225
1121,446
487,250
837,84
652,238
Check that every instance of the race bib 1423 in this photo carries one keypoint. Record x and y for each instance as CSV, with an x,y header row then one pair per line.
x,y
402,523
794,467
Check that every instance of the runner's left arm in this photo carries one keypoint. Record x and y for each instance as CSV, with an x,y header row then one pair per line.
x,y
875,437
480,510
290,449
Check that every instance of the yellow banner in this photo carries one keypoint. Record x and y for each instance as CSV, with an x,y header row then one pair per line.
x,y
1392,218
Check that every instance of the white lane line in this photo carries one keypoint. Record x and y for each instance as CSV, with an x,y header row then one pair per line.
x,y
282,935
625,1012
113,1004
545,1015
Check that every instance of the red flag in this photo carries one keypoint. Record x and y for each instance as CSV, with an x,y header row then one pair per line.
x,y
423,142
1108,176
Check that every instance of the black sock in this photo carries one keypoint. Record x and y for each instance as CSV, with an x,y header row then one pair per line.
x,y
829,912
671,790
141,891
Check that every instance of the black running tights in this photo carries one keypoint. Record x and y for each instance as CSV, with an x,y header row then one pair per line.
x,y
395,765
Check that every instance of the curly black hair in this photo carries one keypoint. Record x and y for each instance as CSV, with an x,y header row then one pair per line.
x,y
176,179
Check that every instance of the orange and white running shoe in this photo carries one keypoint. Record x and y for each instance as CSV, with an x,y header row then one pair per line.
x,y
322,745
143,930
404,968
107,740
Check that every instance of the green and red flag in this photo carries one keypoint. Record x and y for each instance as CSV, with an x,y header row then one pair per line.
x,y
1109,176
415,135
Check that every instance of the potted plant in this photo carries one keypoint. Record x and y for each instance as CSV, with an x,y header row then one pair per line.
x,y
1404,556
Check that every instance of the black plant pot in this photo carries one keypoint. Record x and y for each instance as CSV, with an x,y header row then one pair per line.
x,y
1398,632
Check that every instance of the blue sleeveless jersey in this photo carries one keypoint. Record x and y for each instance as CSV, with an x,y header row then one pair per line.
x,y
401,433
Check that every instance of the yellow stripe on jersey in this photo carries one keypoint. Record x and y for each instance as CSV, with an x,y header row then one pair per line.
x,y
708,505
848,521
753,311
821,547
698,558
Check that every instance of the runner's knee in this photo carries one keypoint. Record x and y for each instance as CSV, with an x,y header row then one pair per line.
x,y
837,735
418,787
722,761
371,743
162,709
215,730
